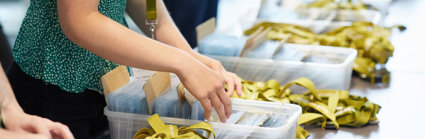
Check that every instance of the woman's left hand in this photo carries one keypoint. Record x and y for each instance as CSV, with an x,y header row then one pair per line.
x,y
232,80
16,120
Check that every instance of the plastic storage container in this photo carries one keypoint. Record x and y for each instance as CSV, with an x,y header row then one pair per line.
x,y
342,15
317,26
325,75
272,10
125,125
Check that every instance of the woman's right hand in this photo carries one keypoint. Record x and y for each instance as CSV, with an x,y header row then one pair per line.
x,y
207,86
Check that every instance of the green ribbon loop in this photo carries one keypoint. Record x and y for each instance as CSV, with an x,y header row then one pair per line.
x,y
164,131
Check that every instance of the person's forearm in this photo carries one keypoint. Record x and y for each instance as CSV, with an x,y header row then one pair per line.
x,y
106,38
166,30
7,98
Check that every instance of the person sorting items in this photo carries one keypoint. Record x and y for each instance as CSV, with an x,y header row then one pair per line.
x,y
65,46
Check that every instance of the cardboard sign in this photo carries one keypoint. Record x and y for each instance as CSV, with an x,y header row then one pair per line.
x,y
254,40
281,43
205,29
185,95
114,79
180,92
260,38
155,86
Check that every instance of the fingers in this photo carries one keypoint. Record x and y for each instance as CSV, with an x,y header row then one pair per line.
x,y
60,131
206,104
38,126
235,84
216,66
218,106
19,135
232,80
238,85
50,129
227,103
230,86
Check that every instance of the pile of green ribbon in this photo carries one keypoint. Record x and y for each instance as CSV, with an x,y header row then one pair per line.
x,y
279,31
327,108
369,40
339,5
164,131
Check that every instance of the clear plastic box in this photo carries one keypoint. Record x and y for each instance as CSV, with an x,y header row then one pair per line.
x,y
317,26
325,75
287,10
343,15
125,125
370,15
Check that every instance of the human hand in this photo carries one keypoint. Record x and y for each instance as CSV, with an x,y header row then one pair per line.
x,y
16,120
232,80
19,135
207,86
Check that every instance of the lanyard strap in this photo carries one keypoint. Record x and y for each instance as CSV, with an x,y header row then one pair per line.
x,y
371,42
160,130
319,106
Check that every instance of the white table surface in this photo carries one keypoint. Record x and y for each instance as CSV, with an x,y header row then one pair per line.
x,y
403,102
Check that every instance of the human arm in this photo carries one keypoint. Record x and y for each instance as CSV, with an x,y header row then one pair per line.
x,y
168,33
17,121
82,23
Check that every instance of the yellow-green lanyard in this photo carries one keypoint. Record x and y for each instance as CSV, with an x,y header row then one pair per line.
x,y
151,16
318,105
164,131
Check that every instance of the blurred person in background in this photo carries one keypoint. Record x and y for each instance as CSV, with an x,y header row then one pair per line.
x,y
187,14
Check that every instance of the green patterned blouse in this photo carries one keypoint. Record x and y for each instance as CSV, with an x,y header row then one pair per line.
x,y
44,52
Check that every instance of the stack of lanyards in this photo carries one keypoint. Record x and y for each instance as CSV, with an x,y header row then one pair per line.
x,y
328,108
151,16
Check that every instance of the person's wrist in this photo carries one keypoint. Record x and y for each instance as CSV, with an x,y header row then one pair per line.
x,y
9,110
184,63
192,52
211,63
7,106
199,57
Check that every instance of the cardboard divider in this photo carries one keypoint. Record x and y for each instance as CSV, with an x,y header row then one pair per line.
x,y
260,38
155,86
281,43
185,95
205,29
114,79
250,41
